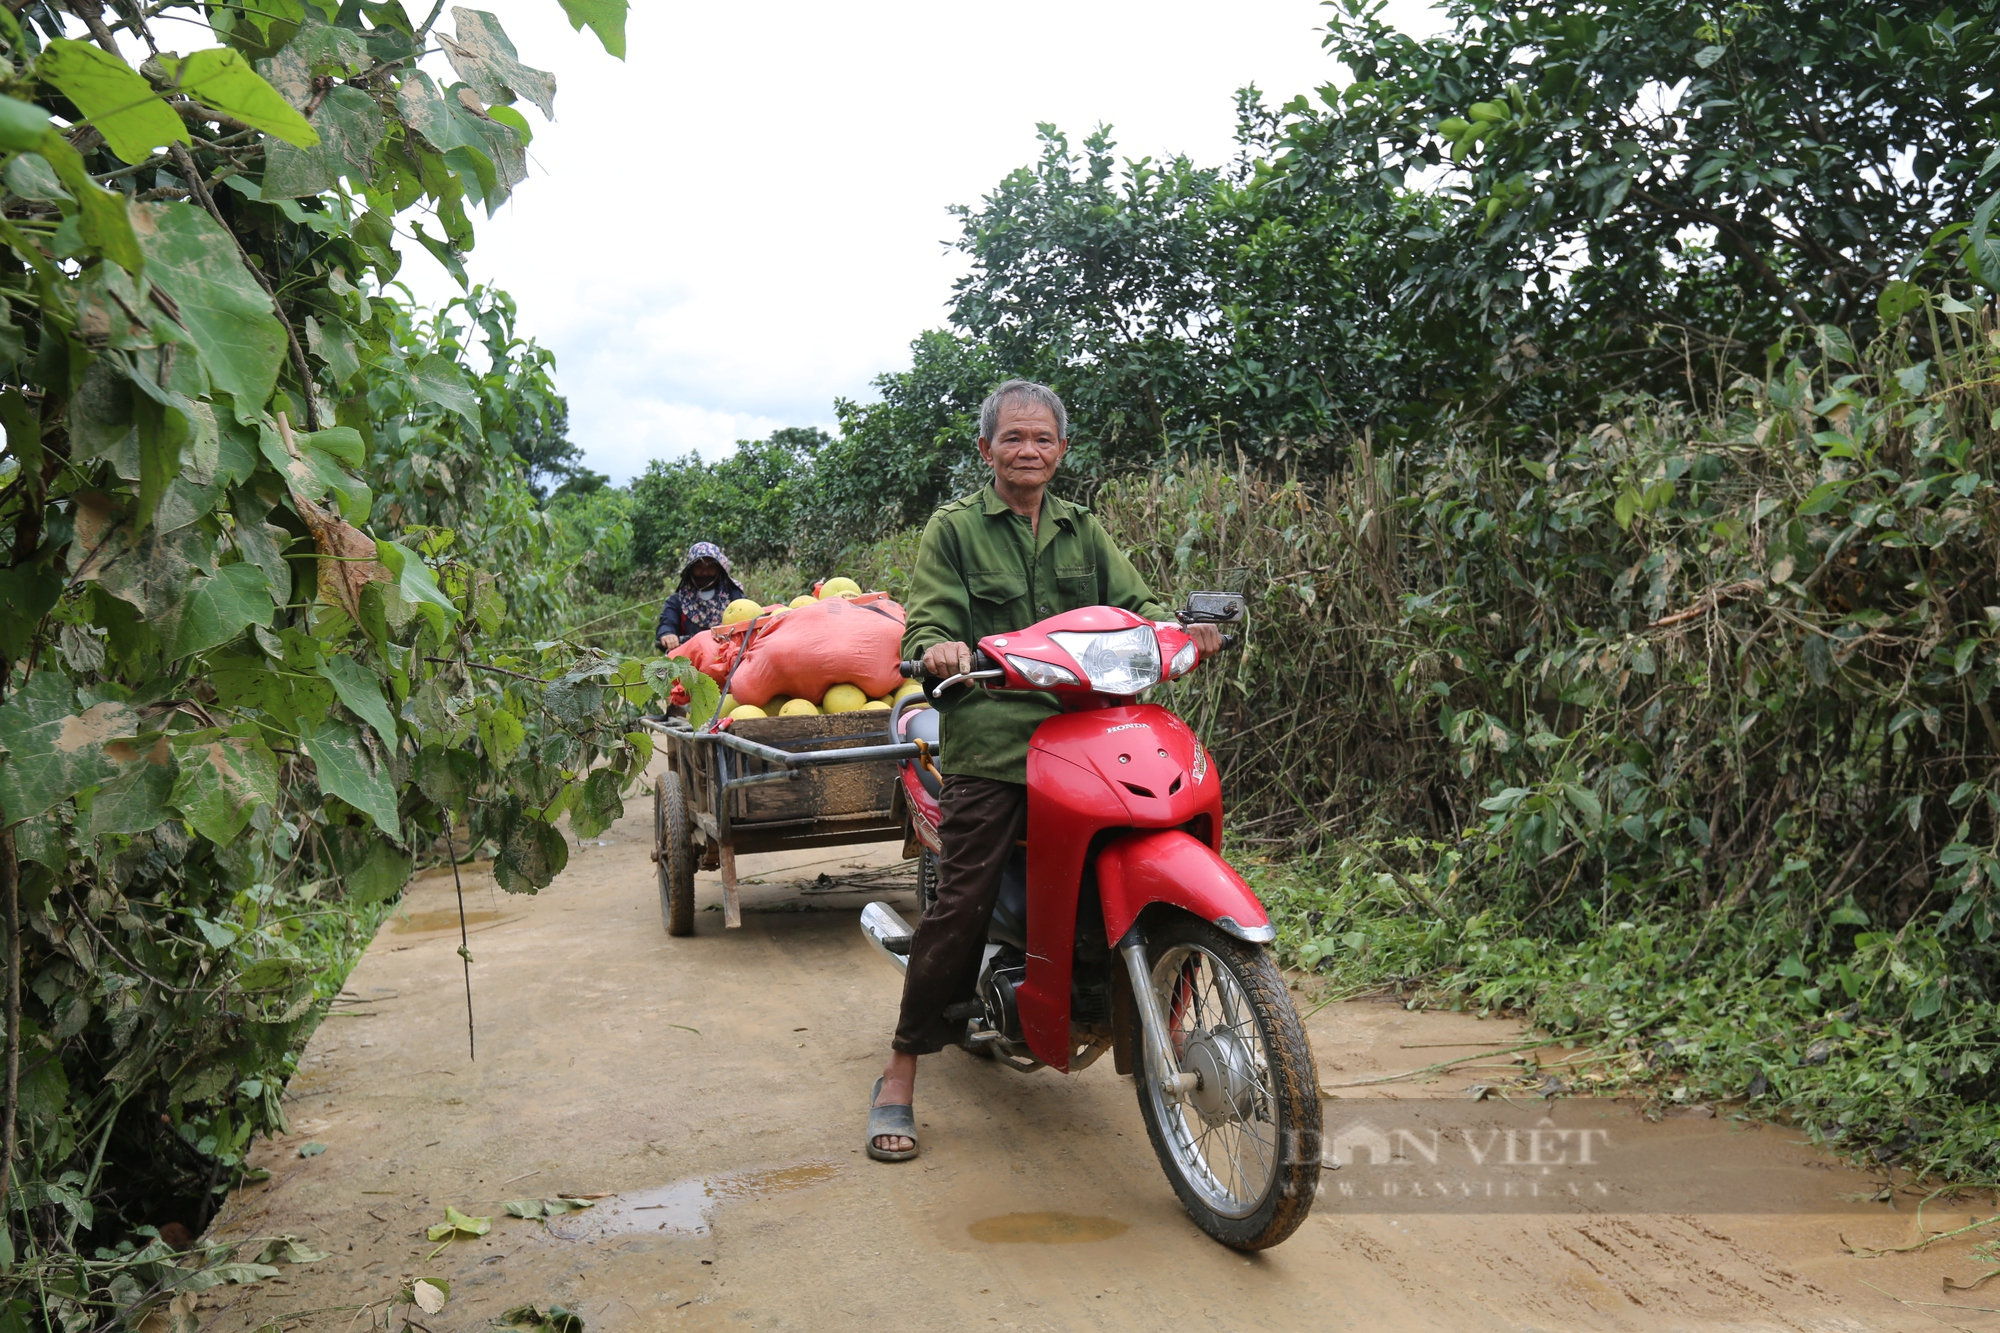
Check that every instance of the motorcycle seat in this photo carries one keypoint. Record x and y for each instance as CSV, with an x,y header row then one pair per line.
x,y
922,724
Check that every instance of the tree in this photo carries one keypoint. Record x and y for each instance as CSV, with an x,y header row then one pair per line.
x,y
747,503
1616,166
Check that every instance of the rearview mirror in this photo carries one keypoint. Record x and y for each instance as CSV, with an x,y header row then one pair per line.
x,y
1214,608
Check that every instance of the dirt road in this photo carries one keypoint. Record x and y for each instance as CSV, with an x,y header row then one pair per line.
x,y
715,1087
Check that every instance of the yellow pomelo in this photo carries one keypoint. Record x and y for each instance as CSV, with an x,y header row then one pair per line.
x,y
839,587
799,708
907,687
727,706
876,706
843,699
776,704
740,609
742,711
803,599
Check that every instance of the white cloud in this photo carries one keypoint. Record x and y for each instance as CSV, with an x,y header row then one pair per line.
x,y
746,218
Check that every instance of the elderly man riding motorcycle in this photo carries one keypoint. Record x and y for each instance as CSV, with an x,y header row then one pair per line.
x,y
990,562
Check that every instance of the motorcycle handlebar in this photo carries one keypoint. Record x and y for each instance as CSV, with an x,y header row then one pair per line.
x,y
913,669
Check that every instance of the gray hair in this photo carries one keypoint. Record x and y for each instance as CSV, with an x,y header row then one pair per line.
x,y
1013,390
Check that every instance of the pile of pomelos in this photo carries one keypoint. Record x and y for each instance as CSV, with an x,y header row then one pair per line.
x,y
839,656
744,609
842,698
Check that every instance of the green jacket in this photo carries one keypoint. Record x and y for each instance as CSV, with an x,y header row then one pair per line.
x,y
982,570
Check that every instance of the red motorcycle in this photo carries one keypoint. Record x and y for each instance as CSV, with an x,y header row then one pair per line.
x,y
1120,927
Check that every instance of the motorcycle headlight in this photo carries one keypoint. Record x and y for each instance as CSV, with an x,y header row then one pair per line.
x,y
1183,662
1121,661
1043,674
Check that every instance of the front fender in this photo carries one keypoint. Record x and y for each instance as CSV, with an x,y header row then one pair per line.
x,y
1174,867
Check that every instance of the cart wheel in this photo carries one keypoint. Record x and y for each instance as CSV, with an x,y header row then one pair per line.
x,y
674,856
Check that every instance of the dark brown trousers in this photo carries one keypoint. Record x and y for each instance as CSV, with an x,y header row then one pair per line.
x,y
980,822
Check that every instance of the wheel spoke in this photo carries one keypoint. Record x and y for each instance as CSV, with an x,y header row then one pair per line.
x,y
1206,1003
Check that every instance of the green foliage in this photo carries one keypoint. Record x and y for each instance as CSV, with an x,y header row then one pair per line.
x,y
1677,736
749,503
1633,163
282,615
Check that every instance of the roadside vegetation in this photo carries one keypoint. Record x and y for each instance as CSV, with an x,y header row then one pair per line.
x,y
281,611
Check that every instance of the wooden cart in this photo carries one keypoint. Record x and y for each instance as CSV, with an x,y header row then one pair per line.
x,y
768,785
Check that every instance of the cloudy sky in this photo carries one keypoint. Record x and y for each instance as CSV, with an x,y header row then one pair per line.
x,y
746,217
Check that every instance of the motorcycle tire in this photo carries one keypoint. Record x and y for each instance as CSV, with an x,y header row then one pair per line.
x,y
1243,1151
674,854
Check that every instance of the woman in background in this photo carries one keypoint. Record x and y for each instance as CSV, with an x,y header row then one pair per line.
x,y
705,591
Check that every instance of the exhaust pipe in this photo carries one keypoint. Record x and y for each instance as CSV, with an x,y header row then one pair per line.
x,y
886,930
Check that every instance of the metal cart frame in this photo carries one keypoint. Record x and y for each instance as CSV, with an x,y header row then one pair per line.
x,y
767,785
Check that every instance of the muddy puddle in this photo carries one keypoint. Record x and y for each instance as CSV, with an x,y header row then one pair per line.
x,y
1046,1229
423,923
686,1207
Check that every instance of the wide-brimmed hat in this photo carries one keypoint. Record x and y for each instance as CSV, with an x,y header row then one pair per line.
x,y
708,551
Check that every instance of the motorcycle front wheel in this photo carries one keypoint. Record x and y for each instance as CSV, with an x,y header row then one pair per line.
x,y
1243,1148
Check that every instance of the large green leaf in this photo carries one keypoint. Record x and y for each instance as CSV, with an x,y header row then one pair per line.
x,y
150,571
597,805
319,48
30,176
446,777
418,584
446,257
264,546
438,380
104,219
26,594
605,17
138,798
359,689
349,770
531,854
226,314
22,124
381,875
333,343
321,465
223,79
223,779
486,60
343,443
52,752
348,125
486,155
221,607
501,734
123,106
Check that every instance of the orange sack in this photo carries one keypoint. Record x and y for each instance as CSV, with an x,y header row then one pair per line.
x,y
857,640
711,655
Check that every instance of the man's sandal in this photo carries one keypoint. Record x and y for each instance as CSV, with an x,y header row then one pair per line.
x,y
891,1122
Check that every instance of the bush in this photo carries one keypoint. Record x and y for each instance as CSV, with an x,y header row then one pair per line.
x,y
1678,733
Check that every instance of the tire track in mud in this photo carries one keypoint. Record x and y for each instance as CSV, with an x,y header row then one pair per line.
x,y
1602,1271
